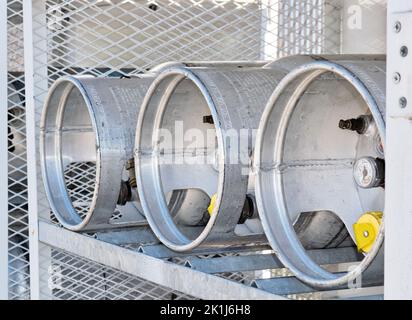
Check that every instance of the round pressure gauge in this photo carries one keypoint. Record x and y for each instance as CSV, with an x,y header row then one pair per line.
x,y
369,172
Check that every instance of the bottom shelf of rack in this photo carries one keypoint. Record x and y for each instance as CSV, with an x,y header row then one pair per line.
x,y
237,273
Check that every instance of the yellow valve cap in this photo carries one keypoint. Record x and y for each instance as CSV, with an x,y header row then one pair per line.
x,y
366,230
212,204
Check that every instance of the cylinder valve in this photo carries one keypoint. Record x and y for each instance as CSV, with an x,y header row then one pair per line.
x,y
360,124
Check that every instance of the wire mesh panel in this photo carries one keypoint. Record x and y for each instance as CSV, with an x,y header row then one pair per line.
x,y
80,177
125,37
306,27
18,264
72,277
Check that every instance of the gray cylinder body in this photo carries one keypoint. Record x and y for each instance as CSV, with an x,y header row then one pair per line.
x,y
87,135
233,100
304,162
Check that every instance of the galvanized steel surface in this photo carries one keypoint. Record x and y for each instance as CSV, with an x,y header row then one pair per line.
x,y
92,121
235,98
284,130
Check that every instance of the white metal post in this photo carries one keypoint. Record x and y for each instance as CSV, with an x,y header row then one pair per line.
x,y
35,53
398,211
31,148
4,248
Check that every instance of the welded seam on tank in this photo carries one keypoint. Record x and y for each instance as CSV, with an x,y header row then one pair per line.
x,y
304,164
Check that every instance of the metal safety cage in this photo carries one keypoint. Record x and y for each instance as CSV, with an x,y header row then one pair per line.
x,y
115,38
202,167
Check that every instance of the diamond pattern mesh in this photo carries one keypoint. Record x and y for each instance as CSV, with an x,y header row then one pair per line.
x,y
80,178
17,169
121,38
71,277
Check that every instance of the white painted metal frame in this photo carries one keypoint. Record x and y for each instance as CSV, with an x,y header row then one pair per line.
x,y
398,211
31,148
4,278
